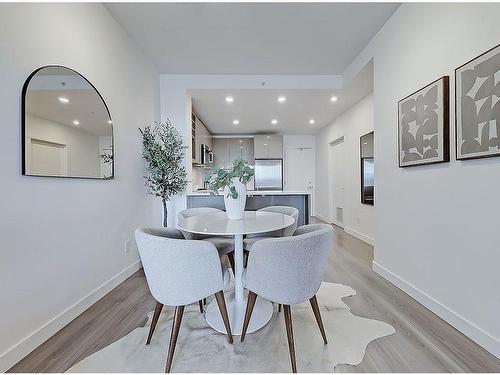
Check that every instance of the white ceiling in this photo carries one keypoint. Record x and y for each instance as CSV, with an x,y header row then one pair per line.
x,y
256,108
85,105
252,38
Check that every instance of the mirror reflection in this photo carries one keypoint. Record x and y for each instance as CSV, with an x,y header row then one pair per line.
x,y
67,128
367,169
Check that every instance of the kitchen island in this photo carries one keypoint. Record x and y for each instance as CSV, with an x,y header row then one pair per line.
x,y
301,200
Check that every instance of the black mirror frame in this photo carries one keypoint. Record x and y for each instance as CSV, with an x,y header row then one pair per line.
x,y
363,199
23,126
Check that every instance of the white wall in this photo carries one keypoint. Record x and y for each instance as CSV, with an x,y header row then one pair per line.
x,y
83,146
436,226
352,124
63,240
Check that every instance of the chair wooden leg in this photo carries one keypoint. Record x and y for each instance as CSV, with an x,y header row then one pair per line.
x,y
289,334
204,301
248,314
279,307
176,324
200,303
219,296
156,315
317,315
230,256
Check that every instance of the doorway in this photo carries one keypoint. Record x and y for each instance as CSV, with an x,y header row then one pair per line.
x,y
46,158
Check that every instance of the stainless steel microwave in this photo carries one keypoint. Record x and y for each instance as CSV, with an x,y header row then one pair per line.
x,y
207,156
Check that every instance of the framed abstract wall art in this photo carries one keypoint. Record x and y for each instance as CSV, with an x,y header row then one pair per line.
x,y
477,106
423,125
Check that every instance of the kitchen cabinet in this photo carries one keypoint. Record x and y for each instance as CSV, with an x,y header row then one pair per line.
x,y
261,147
276,147
246,147
200,136
221,152
268,147
226,150
241,149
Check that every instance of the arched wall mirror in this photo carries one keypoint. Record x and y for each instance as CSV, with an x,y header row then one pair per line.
x,y
67,130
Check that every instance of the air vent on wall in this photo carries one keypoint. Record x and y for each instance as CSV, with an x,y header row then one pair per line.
x,y
340,218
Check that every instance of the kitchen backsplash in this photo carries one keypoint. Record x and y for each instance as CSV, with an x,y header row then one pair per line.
x,y
198,175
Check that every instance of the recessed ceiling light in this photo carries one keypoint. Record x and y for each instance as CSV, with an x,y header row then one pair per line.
x,y
76,122
229,99
274,121
110,122
241,147
62,99
311,121
241,141
333,99
281,99
268,137
265,144
236,122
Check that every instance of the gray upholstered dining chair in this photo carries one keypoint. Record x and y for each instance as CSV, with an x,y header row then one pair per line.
x,y
180,272
286,232
224,245
289,271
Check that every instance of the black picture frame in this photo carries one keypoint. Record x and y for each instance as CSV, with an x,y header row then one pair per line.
x,y
446,123
458,105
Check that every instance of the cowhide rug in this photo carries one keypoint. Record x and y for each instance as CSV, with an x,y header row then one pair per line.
x,y
201,349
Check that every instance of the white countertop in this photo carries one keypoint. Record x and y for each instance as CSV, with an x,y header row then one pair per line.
x,y
258,192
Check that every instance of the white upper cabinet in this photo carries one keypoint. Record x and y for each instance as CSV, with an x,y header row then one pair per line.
x,y
276,147
268,147
226,150
246,149
261,147
221,152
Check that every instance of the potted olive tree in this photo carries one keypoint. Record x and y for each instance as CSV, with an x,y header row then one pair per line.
x,y
233,183
163,153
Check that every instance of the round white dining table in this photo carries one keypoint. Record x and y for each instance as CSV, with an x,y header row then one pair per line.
x,y
218,224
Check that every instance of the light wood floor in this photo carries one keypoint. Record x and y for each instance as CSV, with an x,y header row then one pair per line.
x,y
422,342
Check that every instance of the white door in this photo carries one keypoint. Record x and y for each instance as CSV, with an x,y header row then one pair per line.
x,y
299,169
47,158
337,183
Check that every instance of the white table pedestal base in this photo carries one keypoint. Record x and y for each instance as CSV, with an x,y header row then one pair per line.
x,y
262,313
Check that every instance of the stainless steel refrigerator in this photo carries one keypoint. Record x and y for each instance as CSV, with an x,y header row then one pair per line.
x,y
268,174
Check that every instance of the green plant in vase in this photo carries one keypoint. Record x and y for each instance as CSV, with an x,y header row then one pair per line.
x,y
221,178
233,183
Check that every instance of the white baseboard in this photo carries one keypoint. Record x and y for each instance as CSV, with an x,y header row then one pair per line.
x,y
468,328
13,355
360,236
352,232
321,217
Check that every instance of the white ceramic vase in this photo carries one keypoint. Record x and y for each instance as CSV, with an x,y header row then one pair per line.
x,y
235,208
